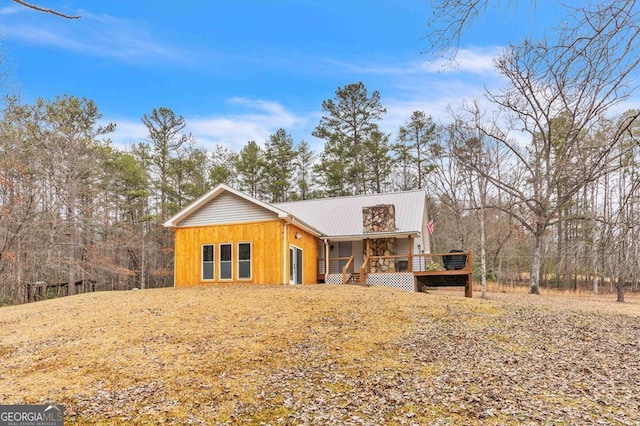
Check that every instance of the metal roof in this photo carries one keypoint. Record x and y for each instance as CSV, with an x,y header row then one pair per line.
x,y
342,216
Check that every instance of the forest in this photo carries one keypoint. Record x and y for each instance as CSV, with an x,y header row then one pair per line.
x,y
540,179
76,208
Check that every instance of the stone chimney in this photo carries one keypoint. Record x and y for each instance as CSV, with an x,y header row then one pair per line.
x,y
380,218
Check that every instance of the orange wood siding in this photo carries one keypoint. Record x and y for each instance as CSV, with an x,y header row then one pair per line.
x,y
309,245
266,240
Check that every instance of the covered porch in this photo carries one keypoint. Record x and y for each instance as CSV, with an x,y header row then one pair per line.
x,y
395,261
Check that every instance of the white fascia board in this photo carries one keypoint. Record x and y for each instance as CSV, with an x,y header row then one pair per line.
x,y
300,224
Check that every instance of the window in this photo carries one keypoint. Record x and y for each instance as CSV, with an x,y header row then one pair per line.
x,y
225,261
244,261
207,261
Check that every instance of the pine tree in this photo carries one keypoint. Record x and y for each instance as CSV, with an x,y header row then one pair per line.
x,y
416,136
303,165
250,166
279,163
165,133
380,161
348,121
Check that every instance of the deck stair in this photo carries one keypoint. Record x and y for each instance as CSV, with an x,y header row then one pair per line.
x,y
354,278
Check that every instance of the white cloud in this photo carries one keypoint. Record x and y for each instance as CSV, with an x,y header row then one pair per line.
x,y
256,120
11,10
38,35
127,132
473,60
270,109
96,35
126,39
404,88
477,61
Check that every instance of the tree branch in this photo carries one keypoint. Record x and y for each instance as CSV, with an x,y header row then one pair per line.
x,y
42,9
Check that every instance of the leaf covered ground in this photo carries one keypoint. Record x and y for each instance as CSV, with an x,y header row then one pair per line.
x,y
324,355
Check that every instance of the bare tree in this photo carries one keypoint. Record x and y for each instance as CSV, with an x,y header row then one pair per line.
x,y
446,181
477,151
585,72
451,19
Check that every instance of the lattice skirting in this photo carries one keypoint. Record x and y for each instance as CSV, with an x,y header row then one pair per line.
x,y
334,278
400,280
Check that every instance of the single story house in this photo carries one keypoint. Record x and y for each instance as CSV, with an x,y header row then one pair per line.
x,y
227,236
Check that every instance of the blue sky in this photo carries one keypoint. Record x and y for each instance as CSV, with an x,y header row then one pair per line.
x,y
239,70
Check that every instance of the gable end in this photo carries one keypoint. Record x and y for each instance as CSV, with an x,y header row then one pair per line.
x,y
227,208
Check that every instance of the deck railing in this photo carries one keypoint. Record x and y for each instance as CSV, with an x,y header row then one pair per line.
x,y
345,270
402,263
455,268
393,263
441,262
445,270
364,270
335,264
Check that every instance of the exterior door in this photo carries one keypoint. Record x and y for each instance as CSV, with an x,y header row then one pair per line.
x,y
344,251
295,265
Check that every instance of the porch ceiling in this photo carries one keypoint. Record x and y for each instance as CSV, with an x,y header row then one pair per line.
x,y
372,235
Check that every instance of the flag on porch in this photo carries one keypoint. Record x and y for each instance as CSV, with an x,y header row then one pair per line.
x,y
430,227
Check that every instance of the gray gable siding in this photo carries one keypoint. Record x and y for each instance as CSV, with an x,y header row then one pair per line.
x,y
227,208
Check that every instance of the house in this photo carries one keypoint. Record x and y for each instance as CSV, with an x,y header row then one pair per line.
x,y
228,236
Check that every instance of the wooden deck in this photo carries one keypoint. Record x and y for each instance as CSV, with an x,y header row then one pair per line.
x,y
447,270
453,269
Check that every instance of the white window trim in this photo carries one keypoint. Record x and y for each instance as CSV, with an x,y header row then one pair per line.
x,y
250,261
220,261
213,262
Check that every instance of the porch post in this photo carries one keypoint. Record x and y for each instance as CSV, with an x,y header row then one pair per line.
x,y
285,254
326,259
368,268
410,251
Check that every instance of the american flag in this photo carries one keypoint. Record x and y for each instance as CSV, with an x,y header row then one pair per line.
x,y
430,227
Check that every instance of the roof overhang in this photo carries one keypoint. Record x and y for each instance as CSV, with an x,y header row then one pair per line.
x,y
373,235
304,226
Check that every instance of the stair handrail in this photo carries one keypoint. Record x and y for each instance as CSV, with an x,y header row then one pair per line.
x,y
346,268
364,270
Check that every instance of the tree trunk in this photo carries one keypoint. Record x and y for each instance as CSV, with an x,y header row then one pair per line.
x,y
620,288
143,265
536,263
483,253
73,233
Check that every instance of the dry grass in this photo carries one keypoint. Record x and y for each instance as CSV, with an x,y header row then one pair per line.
x,y
220,354
195,344
581,300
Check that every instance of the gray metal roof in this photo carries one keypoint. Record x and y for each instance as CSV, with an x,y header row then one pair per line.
x,y
342,216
